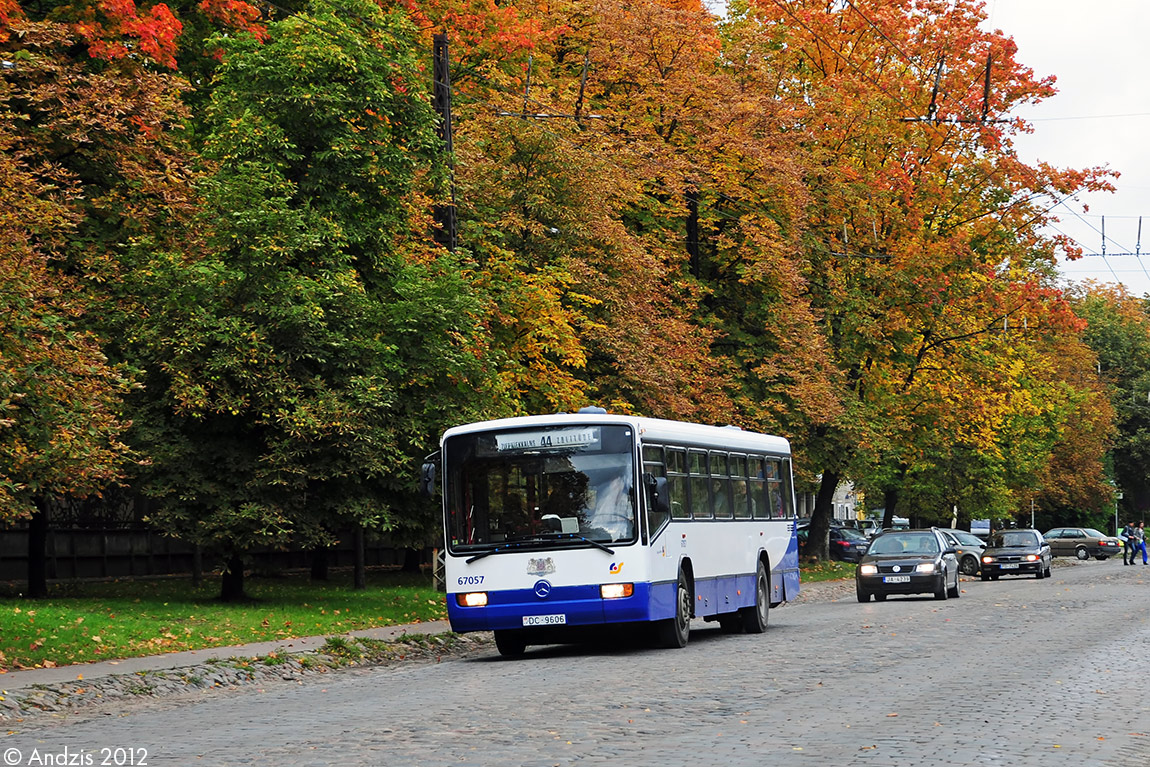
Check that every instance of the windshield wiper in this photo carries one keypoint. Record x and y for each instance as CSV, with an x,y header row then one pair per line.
x,y
539,539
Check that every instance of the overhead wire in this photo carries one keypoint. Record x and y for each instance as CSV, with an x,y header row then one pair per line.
x,y
1104,258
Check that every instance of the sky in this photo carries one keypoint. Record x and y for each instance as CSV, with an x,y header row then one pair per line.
x,y
1101,116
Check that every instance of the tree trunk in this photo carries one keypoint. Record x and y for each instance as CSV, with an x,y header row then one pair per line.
x,y
197,565
412,558
319,563
232,583
38,551
696,262
890,501
360,561
821,516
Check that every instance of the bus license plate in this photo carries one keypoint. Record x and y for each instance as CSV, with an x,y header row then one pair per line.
x,y
896,579
544,620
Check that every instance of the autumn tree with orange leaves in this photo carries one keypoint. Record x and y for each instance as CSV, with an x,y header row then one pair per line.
x,y
923,243
805,217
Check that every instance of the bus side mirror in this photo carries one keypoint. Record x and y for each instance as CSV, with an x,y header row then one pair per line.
x,y
660,494
427,479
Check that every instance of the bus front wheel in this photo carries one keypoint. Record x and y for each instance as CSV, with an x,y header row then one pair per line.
x,y
510,643
674,632
755,616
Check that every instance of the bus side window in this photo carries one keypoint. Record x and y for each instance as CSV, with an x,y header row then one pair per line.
x,y
788,492
698,490
720,486
677,482
775,498
775,493
653,464
759,507
739,488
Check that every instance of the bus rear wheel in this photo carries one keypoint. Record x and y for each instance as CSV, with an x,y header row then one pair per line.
x,y
510,643
755,616
674,632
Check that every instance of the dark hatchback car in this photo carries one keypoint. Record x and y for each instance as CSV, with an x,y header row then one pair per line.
x,y
908,562
1016,552
844,543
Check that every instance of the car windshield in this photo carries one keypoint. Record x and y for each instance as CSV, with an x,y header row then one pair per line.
x,y
1092,533
968,539
1014,540
851,534
905,543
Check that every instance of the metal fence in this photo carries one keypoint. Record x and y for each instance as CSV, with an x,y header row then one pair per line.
x,y
80,553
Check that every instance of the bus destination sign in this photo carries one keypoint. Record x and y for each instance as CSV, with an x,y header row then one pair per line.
x,y
550,439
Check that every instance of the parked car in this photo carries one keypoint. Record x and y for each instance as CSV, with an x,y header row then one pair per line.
x,y
867,527
969,549
1016,552
844,543
908,562
1082,542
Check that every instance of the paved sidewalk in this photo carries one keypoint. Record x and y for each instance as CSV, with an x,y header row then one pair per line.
x,y
16,680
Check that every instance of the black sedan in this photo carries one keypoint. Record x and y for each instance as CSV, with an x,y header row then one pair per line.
x,y
1016,552
908,562
844,543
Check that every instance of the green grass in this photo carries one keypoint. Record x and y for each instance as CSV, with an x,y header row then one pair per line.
x,y
81,622
93,621
826,571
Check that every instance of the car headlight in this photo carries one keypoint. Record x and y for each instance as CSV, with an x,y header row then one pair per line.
x,y
1031,557
925,567
988,560
868,570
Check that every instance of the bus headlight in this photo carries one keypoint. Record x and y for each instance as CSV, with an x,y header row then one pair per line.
x,y
868,570
616,590
472,599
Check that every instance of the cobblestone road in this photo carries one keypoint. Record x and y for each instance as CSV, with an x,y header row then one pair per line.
x,y
1018,672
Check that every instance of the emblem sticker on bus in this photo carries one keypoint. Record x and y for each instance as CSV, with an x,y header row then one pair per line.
x,y
540,566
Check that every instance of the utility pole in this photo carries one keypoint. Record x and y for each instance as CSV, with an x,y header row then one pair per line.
x,y
446,234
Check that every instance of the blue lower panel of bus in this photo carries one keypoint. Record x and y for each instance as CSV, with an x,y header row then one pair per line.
x,y
579,606
583,606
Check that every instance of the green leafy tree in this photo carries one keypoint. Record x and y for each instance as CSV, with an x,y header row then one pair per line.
x,y
306,355
1118,331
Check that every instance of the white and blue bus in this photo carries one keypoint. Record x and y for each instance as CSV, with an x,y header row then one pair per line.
x,y
563,522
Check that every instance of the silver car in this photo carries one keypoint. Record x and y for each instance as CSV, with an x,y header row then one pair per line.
x,y
969,547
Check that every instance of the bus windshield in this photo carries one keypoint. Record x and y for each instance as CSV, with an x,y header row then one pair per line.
x,y
542,487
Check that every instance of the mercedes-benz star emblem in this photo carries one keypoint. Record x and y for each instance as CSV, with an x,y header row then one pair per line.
x,y
542,589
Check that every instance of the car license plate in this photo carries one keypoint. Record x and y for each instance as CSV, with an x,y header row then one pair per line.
x,y
1009,567
544,620
896,579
